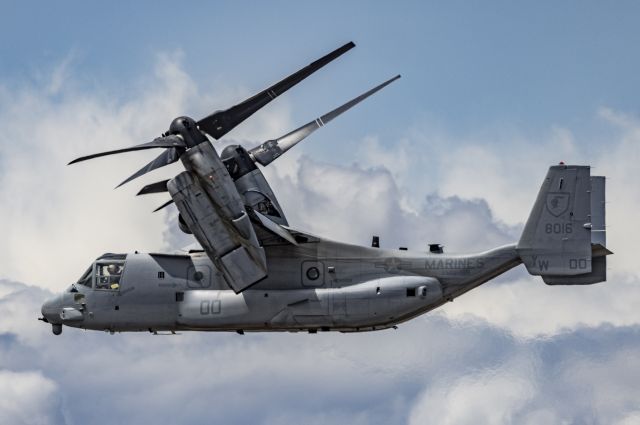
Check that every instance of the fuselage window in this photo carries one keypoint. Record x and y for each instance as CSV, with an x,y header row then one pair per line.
x,y
108,275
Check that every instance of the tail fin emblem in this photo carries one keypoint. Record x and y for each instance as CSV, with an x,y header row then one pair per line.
x,y
557,203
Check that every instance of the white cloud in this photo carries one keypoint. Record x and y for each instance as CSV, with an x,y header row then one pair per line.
x,y
60,218
431,363
447,371
60,75
619,163
352,203
630,418
28,398
507,174
491,397
505,170
19,310
528,308
480,359
578,377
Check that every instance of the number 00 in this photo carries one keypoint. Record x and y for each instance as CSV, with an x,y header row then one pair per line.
x,y
578,263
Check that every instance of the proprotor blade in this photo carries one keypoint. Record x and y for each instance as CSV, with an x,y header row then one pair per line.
x,y
165,158
160,142
221,122
157,187
271,149
164,205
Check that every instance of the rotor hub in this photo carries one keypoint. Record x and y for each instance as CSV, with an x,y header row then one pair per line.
x,y
188,129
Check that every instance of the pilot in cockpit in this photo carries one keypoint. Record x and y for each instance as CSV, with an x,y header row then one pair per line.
x,y
114,269
109,276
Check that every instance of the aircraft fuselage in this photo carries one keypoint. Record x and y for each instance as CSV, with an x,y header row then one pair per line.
x,y
317,285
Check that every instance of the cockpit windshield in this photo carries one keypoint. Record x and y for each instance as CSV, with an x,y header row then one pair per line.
x,y
86,278
105,272
108,274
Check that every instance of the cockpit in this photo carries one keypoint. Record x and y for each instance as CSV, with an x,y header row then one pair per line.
x,y
105,273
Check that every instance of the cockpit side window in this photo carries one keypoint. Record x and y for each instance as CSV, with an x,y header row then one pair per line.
x,y
87,278
108,275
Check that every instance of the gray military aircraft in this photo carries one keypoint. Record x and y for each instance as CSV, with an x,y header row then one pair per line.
x,y
256,273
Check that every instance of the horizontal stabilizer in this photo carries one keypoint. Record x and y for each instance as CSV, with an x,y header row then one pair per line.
x,y
598,250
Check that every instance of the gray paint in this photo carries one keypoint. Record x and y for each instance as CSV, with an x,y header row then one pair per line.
x,y
256,274
366,289
314,284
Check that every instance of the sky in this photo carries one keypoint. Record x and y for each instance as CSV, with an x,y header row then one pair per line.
x,y
454,152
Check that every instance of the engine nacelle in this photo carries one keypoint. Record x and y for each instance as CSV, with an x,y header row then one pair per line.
x,y
251,184
213,211
203,161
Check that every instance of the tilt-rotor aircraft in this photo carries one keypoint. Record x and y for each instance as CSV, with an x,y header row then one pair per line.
x,y
256,273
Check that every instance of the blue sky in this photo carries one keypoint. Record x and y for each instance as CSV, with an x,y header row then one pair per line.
x,y
465,66
491,94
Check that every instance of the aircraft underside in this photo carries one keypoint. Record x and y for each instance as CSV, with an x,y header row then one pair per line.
x,y
374,305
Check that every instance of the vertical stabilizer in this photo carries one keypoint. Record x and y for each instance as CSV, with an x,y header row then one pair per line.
x,y
564,237
599,251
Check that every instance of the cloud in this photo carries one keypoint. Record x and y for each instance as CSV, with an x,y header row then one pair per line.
x,y
431,368
619,163
550,310
576,377
28,398
489,397
504,168
61,218
75,216
514,350
60,75
16,319
325,198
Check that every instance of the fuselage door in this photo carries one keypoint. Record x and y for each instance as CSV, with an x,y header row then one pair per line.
x,y
106,290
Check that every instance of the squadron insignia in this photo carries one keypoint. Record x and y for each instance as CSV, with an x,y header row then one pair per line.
x,y
557,203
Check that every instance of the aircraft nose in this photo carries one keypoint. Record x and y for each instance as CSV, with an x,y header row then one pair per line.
x,y
51,310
